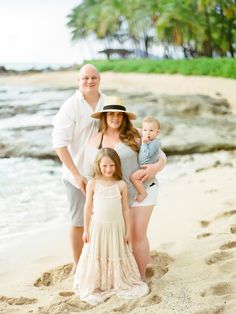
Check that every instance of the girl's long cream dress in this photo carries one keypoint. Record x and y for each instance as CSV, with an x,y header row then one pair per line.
x,y
107,265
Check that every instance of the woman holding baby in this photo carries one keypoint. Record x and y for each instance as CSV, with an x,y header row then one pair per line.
x,y
116,131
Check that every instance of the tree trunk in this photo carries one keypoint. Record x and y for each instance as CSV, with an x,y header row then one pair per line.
x,y
207,45
230,38
146,44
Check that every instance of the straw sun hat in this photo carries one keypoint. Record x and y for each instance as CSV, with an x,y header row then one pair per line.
x,y
113,104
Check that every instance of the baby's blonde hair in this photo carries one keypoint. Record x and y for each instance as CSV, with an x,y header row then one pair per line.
x,y
152,120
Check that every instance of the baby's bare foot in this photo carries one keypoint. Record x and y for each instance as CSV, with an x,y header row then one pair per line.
x,y
141,197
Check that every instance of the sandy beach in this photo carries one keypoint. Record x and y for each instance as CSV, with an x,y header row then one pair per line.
x,y
192,230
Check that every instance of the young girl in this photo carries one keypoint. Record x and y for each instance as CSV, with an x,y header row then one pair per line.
x,y
107,265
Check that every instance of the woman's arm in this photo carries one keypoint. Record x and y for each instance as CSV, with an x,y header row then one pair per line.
x,y
88,209
125,208
150,170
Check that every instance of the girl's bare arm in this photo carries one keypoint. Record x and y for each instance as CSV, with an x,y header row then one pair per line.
x,y
88,208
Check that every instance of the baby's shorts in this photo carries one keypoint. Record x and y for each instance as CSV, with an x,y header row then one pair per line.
x,y
151,198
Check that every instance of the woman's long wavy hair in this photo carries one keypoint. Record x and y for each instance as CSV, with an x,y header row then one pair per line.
x,y
128,134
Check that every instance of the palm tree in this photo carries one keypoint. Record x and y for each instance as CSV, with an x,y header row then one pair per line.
x,y
225,13
141,18
177,25
93,17
115,21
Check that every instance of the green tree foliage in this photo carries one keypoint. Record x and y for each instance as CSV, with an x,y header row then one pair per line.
x,y
199,27
221,67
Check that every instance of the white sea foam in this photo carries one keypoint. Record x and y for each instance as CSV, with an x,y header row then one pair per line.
x,y
32,196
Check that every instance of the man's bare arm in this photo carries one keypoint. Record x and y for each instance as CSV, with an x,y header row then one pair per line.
x,y
67,160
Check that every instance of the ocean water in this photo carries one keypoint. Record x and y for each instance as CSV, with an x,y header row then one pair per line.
x,y
23,66
32,193
32,196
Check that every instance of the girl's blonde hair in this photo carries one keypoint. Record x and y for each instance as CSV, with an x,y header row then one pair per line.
x,y
112,154
128,134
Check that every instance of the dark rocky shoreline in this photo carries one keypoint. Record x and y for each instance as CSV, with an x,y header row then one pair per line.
x,y
189,123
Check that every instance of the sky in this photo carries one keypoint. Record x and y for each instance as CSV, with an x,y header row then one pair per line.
x,y
35,31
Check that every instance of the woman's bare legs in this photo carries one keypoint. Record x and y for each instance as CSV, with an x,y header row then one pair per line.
x,y
140,217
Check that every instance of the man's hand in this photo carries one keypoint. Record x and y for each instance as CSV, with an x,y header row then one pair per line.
x,y
149,171
66,159
82,182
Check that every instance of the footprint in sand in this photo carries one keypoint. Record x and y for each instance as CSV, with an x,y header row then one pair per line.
x,y
66,293
218,257
151,299
204,223
156,271
221,288
203,235
228,245
150,272
53,276
233,229
228,267
211,191
218,309
17,301
158,266
227,214
160,258
71,305
154,299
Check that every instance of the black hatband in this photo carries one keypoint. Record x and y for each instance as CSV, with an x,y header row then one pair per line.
x,y
114,107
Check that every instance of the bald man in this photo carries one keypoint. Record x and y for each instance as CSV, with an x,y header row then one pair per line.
x,y
72,127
